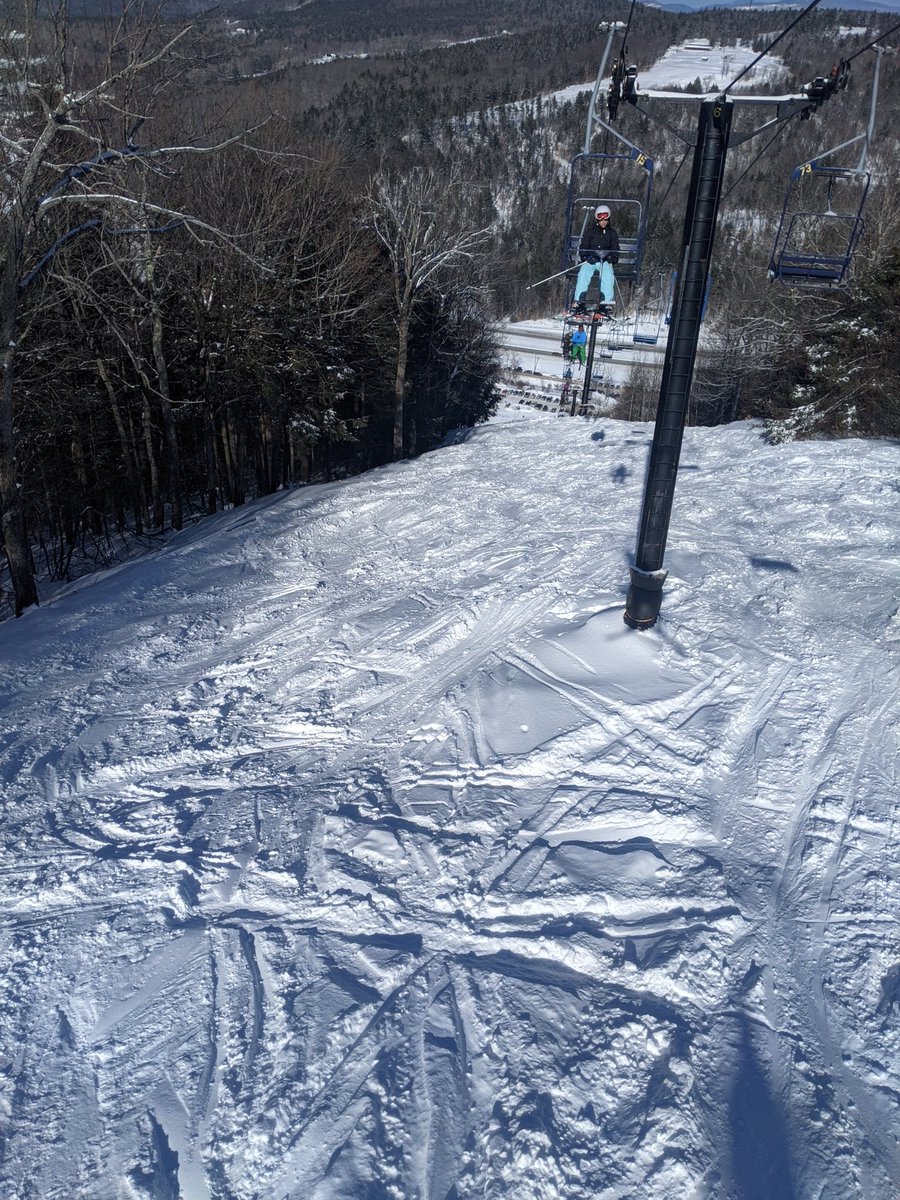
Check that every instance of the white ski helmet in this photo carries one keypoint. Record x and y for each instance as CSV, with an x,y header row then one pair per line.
x,y
602,210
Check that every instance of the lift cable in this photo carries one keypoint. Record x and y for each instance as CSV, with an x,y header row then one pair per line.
x,y
627,27
781,129
618,72
661,204
877,41
772,44
778,132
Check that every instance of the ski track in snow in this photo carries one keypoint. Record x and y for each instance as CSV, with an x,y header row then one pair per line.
x,y
354,847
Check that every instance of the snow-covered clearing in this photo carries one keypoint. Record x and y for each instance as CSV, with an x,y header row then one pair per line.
x,y
354,847
681,65
716,66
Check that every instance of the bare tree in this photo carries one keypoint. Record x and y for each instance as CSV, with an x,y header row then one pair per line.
x,y
66,174
639,395
408,217
881,231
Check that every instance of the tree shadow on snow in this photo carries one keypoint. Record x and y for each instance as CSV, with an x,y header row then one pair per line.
x,y
760,1156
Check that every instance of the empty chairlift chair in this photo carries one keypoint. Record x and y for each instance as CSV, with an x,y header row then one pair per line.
x,y
821,221
820,226
648,333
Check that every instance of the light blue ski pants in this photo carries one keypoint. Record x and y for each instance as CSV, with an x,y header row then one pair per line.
x,y
607,280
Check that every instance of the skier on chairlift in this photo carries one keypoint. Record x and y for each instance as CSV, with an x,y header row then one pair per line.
x,y
579,345
599,252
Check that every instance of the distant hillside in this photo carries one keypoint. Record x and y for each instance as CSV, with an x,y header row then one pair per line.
x,y
439,81
685,6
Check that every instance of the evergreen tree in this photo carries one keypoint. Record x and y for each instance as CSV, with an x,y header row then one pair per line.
x,y
844,379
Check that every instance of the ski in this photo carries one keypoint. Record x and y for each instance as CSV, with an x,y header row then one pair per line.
x,y
598,315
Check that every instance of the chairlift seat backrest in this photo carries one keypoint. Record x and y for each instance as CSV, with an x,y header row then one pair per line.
x,y
628,265
799,268
628,259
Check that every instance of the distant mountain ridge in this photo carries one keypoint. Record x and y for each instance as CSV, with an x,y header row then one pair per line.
x,y
437,15
685,6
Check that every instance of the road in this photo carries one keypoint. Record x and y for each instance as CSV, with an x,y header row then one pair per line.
x,y
537,345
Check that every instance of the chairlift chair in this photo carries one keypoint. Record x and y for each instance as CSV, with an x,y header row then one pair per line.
x,y
641,337
815,241
630,212
645,339
662,306
670,302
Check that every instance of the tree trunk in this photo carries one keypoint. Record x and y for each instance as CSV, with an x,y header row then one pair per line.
x,y
209,447
12,514
232,454
170,434
128,455
400,381
153,466
12,509
141,465
411,413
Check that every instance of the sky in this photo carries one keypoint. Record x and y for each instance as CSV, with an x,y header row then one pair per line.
x,y
356,848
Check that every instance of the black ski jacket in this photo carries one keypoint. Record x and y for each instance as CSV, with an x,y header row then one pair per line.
x,y
602,243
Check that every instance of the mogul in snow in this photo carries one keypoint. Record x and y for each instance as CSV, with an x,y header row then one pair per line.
x,y
599,251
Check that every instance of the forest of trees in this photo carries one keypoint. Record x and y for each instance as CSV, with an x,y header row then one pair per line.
x,y
228,268
198,305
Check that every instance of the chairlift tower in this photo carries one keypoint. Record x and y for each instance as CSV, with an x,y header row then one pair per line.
x,y
714,135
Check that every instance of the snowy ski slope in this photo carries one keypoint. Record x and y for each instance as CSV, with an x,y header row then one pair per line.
x,y
353,847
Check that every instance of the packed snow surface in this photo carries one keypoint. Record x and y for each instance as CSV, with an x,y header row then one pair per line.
x,y
354,847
